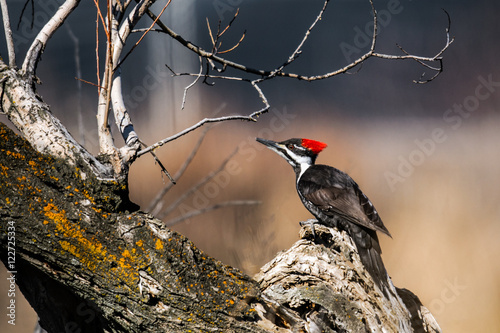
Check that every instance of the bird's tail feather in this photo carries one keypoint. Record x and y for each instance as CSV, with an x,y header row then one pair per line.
x,y
370,253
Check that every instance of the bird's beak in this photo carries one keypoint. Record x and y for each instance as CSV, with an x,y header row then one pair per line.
x,y
269,144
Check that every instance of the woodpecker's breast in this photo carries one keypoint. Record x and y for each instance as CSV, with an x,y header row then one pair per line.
x,y
312,179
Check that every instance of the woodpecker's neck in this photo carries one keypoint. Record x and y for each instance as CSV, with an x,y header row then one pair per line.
x,y
301,166
300,169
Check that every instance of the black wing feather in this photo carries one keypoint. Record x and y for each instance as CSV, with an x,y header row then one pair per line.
x,y
338,194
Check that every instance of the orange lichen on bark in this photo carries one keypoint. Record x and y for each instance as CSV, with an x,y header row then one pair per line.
x,y
90,252
159,244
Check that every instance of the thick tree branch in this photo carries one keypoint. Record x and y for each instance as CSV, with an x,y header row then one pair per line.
x,y
81,248
323,282
33,118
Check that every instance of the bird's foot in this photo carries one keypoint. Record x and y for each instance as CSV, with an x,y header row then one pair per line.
x,y
310,223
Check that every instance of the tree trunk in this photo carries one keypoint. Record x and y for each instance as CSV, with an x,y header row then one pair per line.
x,y
86,259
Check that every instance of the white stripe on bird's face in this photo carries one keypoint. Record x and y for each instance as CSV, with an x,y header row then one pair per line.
x,y
294,159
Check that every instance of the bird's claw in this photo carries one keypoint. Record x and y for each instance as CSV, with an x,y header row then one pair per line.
x,y
310,223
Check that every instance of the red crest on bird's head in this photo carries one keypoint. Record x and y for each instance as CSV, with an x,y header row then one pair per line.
x,y
315,146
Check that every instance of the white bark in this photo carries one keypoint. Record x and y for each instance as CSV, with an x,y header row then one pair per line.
x,y
111,90
324,283
44,131
123,121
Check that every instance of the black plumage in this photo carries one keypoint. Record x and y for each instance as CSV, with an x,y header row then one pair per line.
x,y
335,199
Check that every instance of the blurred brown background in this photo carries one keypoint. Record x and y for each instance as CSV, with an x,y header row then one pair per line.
x,y
426,155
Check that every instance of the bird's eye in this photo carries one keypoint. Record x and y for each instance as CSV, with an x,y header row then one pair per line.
x,y
290,146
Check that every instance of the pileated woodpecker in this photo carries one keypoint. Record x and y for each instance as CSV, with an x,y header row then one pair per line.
x,y
335,199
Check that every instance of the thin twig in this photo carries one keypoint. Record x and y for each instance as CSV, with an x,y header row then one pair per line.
x,y
251,117
155,203
103,21
210,32
88,82
145,29
194,213
236,45
192,84
374,36
298,50
32,13
38,45
230,23
143,35
162,167
277,72
254,84
195,187
97,53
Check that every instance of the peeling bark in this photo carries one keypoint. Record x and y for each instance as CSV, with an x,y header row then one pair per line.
x,y
33,118
324,282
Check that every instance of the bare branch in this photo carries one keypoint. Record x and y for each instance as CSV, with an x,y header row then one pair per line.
x,y
236,45
210,33
162,167
122,118
374,36
251,117
155,205
266,74
8,33
32,13
194,213
298,50
38,45
145,29
261,95
198,50
254,84
191,84
144,34
216,41
118,37
193,189
230,23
